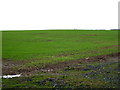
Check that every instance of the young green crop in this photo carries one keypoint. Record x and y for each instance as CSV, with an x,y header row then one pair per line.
x,y
57,45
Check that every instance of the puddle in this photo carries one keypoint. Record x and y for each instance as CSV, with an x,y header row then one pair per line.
x,y
10,76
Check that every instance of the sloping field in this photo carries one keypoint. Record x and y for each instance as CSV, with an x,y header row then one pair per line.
x,y
49,57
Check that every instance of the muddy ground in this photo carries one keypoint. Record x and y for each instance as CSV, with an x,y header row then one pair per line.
x,y
10,68
92,72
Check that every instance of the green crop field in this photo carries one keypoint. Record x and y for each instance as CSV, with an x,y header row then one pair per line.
x,y
29,52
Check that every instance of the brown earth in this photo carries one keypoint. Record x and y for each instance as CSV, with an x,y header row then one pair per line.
x,y
107,47
10,67
38,33
102,58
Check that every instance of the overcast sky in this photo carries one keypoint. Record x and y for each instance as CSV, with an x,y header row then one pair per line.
x,y
58,14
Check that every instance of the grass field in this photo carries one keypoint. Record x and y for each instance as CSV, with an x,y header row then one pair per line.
x,y
48,59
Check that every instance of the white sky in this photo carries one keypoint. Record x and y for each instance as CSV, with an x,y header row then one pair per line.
x,y
58,14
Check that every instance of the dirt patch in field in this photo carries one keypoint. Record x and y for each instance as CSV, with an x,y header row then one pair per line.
x,y
107,47
91,35
103,58
38,40
38,33
8,65
49,40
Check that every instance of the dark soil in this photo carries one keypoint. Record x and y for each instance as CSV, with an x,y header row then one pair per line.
x,y
107,47
39,33
103,58
10,67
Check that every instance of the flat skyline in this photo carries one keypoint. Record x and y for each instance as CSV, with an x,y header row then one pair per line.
x,y
58,14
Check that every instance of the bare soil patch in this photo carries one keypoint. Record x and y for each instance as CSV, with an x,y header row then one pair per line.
x,y
91,35
38,33
102,58
10,67
107,47
38,40
49,40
